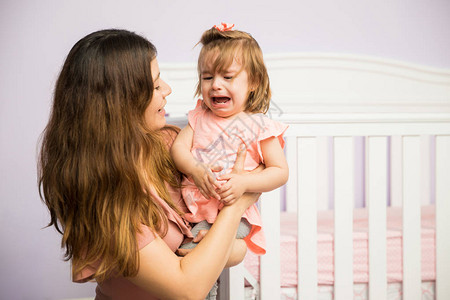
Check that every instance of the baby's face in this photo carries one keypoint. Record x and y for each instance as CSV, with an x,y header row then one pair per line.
x,y
224,92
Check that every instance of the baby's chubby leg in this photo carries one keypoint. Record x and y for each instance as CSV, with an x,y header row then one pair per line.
x,y
195,230
243,230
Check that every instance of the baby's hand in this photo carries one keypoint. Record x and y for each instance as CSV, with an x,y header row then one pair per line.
x,y
205,180
232,189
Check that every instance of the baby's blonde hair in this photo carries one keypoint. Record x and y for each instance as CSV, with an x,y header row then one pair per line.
x,y
231,44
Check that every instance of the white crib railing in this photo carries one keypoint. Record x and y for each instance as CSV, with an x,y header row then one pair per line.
x,y
376,175
407,163
340,91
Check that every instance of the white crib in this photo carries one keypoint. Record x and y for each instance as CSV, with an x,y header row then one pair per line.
x,y
362,130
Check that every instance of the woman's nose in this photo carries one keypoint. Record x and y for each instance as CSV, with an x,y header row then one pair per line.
x,y
167,89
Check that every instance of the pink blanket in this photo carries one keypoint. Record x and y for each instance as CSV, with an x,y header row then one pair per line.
x,y
360,247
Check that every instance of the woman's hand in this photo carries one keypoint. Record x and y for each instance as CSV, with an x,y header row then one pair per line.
x,y
233,188
246,199
235,183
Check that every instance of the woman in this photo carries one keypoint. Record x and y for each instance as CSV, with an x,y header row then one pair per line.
x,y
107,178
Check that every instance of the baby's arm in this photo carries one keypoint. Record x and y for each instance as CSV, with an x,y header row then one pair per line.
x,y
274,175
184,160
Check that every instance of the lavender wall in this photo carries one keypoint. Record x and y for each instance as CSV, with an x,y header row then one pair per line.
x,y
35,36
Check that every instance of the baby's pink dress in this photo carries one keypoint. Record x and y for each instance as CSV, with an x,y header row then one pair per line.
x,y
216,141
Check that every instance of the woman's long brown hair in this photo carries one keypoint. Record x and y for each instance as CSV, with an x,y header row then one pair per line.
x,y
98,157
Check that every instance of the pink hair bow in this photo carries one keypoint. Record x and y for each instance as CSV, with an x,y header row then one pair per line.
x,y
224,27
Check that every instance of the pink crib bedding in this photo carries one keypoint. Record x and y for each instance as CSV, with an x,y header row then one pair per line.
x,y
360,247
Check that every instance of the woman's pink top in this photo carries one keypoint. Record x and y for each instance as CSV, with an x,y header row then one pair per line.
x,y
119,288
216,141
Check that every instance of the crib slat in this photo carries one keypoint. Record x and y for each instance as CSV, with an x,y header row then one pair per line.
x,y
442,215
325,184
376,194
307,218
232,283
396,170
270,262
425,152
411,218
291,185
343,217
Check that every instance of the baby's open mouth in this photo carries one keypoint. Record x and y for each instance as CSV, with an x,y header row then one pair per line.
x,y
220,99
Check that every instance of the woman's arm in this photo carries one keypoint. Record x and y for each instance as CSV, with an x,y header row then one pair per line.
x,y
237,252
168,276
186,163
274,175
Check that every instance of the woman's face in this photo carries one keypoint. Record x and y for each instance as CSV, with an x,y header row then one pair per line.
x,y
155,113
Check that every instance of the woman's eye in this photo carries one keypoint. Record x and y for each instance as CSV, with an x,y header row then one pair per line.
x,y
207,78
228,77
157,88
